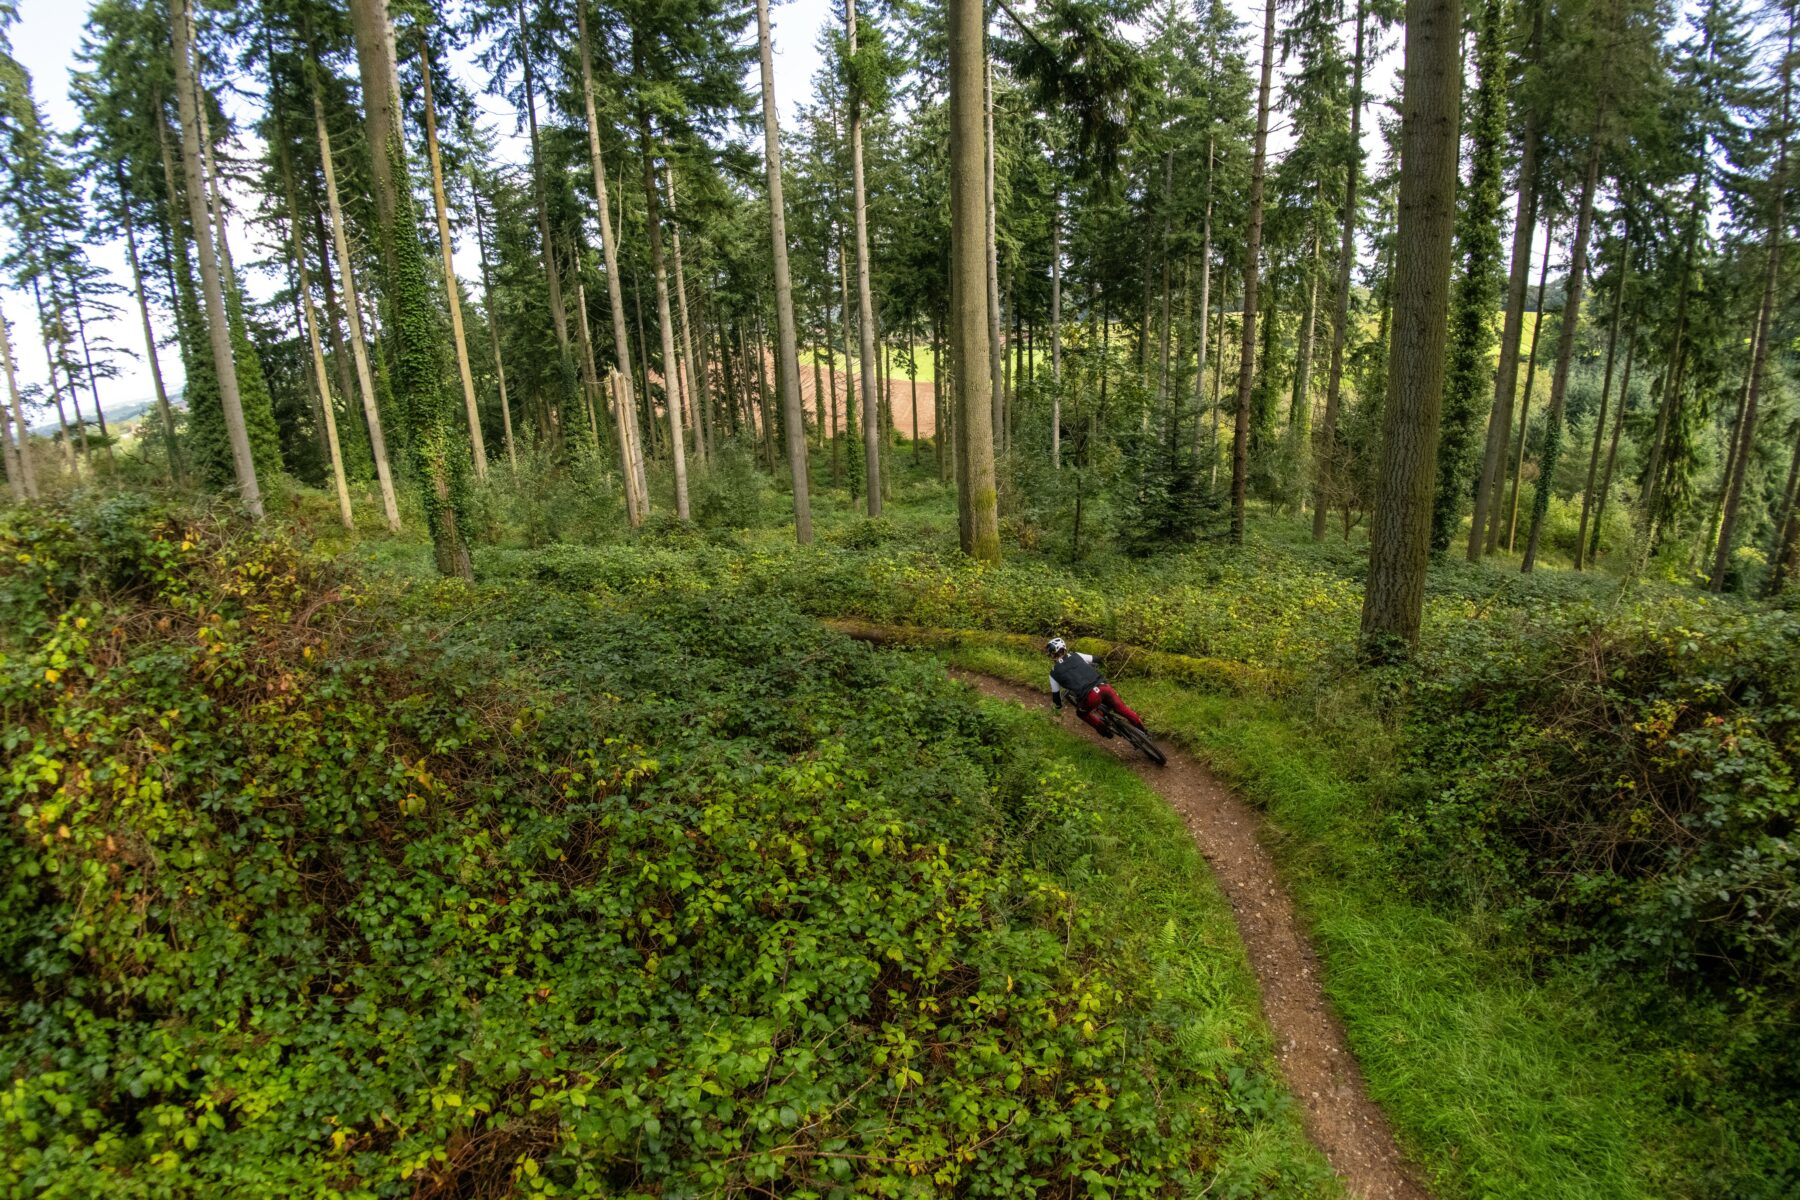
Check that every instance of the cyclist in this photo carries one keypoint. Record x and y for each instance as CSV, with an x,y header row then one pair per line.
x,y
1076,674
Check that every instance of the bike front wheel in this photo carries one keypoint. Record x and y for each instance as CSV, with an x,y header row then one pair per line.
x,y
1142,740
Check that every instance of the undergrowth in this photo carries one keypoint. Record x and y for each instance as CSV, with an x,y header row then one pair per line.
x,y
320,883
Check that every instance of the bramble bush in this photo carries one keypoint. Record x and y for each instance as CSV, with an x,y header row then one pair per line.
x,y
314,884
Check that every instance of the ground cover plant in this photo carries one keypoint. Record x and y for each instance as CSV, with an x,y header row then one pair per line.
x,y
313,885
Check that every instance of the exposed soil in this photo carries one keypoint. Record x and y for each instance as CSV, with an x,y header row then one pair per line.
x,y
1315,1058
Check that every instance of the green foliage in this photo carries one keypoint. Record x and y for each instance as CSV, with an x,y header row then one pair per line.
x,y
313,885
1164,496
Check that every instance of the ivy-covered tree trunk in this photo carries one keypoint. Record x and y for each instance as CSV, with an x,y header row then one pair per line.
x,y
1478,289
438,449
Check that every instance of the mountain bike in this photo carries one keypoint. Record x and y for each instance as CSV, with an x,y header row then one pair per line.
x,y
1135,735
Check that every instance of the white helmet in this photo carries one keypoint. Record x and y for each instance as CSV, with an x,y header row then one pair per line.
x,y
1056,646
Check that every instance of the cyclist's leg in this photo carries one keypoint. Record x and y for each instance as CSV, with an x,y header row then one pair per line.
x,y
1119,706
1088,708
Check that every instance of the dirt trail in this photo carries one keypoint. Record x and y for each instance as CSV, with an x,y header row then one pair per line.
x,y
1315,1058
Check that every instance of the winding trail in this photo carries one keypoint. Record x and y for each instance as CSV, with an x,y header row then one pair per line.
x,y
1310,1046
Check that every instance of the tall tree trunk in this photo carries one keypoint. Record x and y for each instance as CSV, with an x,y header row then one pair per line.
x,y
559,316
1162,360
837,458
1675,368
156,377
665,325
991,231
334,317
1325,451
1055,332
416,363
1565,354
912,364
631,450
1784,553
452,292
590,369
1600,410
1300,407
243,463
1400,535
493,324
1206,231
865,302
1746,436
1507,513
1240,446
321,377
26,476
1489,484
1612,451
384,476
693,370
971,308
785,331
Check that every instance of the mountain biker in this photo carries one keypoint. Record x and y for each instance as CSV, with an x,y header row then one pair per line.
x,y
1076,674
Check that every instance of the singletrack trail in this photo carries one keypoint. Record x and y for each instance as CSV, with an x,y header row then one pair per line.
x,y
1315,1058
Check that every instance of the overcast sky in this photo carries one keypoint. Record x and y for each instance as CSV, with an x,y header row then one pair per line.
x,y
48,37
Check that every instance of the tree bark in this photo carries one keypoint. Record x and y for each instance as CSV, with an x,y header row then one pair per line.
x,y
243,464
1240,446
971,337
784,287
1400,536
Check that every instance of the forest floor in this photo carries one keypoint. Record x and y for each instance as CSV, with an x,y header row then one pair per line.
x,y
1314,1054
